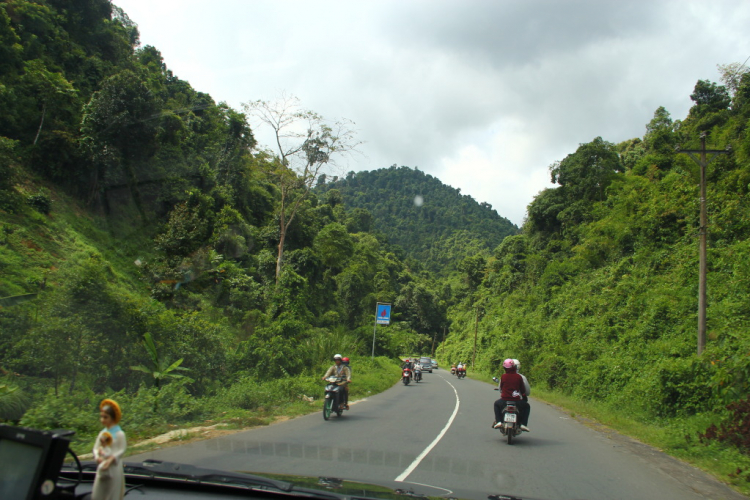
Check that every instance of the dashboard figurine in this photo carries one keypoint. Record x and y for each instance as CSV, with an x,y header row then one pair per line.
x,y
105,449
108,450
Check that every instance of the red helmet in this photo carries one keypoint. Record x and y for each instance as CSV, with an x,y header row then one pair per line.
x,y
345,360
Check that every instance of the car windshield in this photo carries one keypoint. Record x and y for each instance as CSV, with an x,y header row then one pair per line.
x,y
208,209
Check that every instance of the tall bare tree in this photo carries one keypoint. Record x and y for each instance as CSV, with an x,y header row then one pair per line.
x,y
307,146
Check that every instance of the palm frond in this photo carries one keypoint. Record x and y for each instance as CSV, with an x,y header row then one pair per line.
x,y
16,299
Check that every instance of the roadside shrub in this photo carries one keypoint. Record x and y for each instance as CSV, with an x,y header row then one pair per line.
x,y
677,386
735,430
150,407
250,394
13,402
40,202
7,157
77,412
550,370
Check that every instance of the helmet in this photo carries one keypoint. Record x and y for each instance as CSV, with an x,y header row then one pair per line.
x,y
345,360
517,363
337,356
508,363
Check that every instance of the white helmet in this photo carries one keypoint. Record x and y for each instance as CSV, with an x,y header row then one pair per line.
x,y
517,363
337,356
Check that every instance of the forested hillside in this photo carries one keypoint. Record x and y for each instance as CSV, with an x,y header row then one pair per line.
x,y
598,294
433,223
139,242
150,251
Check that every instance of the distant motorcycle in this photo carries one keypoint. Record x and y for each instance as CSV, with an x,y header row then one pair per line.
x,y
511,426
461,372
406,376
417,375
453,370
334,398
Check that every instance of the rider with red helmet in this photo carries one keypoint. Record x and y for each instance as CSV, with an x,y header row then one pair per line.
x,y
512,388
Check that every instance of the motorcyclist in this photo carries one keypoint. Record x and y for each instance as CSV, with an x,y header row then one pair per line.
x,y
417,369
527,387
460,367
453,369
345,362
408,364
340,370
525,380
512,388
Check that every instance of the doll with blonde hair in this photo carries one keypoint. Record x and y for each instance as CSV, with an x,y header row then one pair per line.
x,y
108,450
104,446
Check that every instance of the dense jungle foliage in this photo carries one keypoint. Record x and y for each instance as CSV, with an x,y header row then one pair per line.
x,y
598,293
139,226
433,223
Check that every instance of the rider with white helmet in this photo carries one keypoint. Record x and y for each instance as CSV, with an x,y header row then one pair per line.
x,y
525,380
339,369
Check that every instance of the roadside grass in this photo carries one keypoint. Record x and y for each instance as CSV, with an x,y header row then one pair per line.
x,y
369,377
676,436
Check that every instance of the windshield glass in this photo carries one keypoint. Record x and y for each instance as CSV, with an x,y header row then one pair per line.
x,y
207,210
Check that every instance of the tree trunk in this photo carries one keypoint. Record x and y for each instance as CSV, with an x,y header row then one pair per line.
x,y
134,192
282,233
73,381
280,256
44,112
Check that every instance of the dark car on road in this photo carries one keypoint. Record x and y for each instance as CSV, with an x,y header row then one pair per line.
x,y
426,364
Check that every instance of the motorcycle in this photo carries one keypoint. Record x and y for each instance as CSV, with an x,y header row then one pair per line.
x,y
334,398
461,372
406,376
453,370
511,426
417,375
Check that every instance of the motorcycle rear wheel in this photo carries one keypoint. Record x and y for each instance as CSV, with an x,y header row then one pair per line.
x,y
327,407
510,436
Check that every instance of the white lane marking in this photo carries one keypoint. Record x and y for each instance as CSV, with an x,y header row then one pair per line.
x,y
449,492
429,448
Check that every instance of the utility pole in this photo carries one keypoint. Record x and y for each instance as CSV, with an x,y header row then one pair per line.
x,y
433,344
702,232
443,343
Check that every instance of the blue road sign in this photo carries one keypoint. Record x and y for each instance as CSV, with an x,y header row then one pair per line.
x,y
384,314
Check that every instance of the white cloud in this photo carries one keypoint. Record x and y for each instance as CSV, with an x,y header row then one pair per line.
x,y
484,94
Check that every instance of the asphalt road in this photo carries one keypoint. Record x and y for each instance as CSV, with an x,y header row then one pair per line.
x,y
435,438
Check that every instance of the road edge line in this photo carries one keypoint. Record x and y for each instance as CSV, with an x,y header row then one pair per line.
x,y
429,448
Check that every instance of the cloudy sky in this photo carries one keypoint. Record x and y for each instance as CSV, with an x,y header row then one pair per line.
x,y
483,94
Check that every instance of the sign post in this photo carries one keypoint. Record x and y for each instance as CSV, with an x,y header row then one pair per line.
x,y
382,317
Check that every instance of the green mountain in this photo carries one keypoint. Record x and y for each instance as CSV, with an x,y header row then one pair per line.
x,y
432,222
135,207
597,296
140,227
